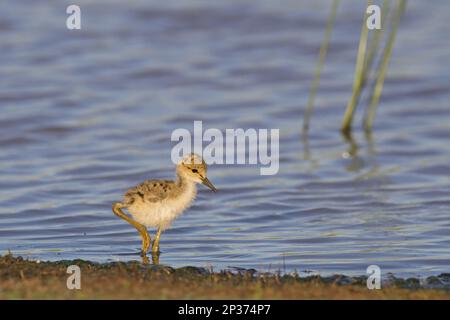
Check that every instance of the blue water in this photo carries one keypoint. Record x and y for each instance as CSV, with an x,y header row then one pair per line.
x,y
84,115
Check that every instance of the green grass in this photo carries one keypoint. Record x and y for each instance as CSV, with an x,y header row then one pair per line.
x,y
22,279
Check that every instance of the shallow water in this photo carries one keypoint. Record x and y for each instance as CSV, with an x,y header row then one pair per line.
x,y
87,114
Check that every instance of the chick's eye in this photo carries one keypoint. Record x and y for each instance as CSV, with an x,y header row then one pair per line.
x,y
194,170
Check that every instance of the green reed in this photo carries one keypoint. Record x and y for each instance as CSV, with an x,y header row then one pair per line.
x,y
360,72
368,49
374,43
319,65
381,72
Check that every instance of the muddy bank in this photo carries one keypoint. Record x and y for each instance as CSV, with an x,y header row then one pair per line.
x,y
24,279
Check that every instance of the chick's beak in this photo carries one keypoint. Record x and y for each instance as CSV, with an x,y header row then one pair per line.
x,y
208,183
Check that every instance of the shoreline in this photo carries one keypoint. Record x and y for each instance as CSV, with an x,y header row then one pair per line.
x,y
27,279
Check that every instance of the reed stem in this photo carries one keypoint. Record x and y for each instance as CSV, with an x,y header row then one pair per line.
x,y
369,119
375,43
358,79
319,65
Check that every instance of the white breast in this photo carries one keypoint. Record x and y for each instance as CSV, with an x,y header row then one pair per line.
x,y
161,214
